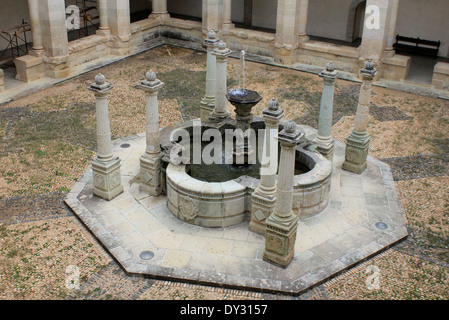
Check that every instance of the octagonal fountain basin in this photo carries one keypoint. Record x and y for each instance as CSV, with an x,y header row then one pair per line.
x,y
226,203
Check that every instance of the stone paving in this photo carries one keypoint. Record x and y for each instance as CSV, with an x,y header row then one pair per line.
x,y
363,218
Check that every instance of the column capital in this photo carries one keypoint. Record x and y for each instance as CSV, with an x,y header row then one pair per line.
x,y
151,83
100,87
368,71
273,111
211,40
221,52
330,72
291,134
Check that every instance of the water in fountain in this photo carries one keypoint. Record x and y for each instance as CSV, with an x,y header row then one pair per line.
x,y
242,59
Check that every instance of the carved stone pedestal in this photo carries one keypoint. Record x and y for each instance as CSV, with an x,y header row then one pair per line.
x,y
106,178
357,145
280,238
150,174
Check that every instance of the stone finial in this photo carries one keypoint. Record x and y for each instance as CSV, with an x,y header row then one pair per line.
x,y
330,67
290,126
369,65
292,133
151,82
100,79
150,76
212,35
221,50
368,69
221,45
329,71
273,104
100,85
273,111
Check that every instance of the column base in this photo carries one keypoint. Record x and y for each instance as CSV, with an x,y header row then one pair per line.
x,y
228,26
104,32
39,53
325,147
261,208
280,238
357,145
107,178
303,38
57,67
159,16
150,174
207,106
284,55
218,117
389,53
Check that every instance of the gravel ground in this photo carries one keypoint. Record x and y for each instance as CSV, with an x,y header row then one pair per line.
x,y
48,140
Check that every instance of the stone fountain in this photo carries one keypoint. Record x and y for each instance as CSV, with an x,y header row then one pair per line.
x,y
233,224
221,195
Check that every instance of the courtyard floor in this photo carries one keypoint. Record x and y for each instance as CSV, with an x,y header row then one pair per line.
x,y
48,141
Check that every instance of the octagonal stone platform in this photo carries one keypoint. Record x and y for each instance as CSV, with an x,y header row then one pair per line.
x,y
363,218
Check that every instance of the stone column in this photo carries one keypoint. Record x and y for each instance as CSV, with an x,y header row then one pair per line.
x,y
54,37
103,13
208,102
33,8
159,9
302,21
221,54
291,21
357,143
391,30
227,11
150,161
280,234
213,15
119,22
105,167
54,31
263,198
323,138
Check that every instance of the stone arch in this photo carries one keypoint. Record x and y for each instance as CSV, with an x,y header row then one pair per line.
x,y
352,19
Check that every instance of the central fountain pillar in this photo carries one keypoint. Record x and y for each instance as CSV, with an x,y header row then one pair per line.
x,y
263,198
280,234
150,161
221,54
105,167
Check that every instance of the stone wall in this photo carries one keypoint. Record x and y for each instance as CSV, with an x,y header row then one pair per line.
x,y
440,78
87,49
318,53
257,42
395,68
